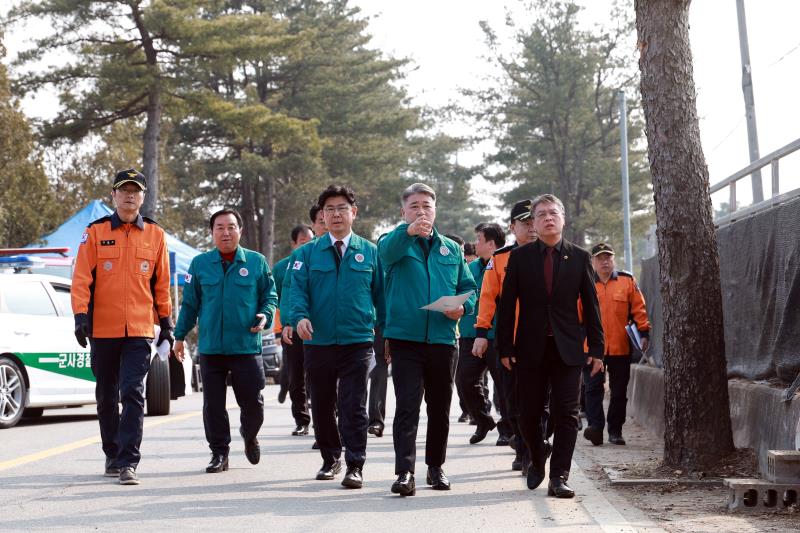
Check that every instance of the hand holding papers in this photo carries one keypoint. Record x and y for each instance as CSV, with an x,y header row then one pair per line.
x,y
448,303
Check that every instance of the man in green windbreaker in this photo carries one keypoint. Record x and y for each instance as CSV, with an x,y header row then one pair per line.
x,y
421,266
230,294
336,300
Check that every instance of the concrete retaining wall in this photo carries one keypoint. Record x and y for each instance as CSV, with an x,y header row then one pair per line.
x,y
760,419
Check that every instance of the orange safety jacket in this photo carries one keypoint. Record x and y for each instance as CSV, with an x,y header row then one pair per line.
x,y
621,302
121,277
491,288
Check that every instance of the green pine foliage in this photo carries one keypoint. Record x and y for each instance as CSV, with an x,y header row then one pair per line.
x,y
554,117
26,200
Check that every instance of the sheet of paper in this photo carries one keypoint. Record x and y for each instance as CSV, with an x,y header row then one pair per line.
x,y
446,303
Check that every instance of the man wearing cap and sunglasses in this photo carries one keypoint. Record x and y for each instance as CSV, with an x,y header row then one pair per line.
x,y
120,287
621,302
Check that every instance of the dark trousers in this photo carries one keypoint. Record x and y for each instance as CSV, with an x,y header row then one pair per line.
x,y
284,373
247,380
378,379
618,368
421,369
337,381
531,389
470,379
119,367
294,358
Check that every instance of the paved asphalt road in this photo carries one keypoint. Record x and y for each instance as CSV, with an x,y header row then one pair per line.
x,y
50,478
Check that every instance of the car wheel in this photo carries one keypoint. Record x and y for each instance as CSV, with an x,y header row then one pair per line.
x,y
158,388
12,393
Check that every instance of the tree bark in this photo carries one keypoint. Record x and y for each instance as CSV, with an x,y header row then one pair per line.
x,y
268,219
150,149
697,410
152,129
249,216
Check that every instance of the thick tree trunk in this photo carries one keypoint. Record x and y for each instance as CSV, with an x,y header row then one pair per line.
x,y
268,219
697,411
248,212
152,140
152,129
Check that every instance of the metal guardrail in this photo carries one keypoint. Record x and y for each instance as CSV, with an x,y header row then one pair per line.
x,y
771,159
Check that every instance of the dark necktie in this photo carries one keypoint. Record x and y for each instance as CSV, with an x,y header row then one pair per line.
x,y
339,245
426,246
548,270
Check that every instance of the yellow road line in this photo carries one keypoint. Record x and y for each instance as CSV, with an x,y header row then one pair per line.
x,y
64,448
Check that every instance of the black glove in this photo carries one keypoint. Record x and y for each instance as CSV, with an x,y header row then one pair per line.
x,y
166,332
82,328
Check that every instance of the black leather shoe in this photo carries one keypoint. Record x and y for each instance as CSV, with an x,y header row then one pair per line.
x,y
328,472
282,394
112,470
463,418
481,431
300,430
534,477
251,449
405,485
594,435
558,487
353,479
436,478
375,429
616,438
502,440
471,421
516,464
535,474
315,446
219,463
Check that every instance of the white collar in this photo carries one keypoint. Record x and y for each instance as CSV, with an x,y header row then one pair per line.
x,y
345,240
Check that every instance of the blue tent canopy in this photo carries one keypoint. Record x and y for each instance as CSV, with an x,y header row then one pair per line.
x,y
69,235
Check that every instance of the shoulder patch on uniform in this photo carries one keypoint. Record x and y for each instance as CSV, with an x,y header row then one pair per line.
x,y
297,265
624,273
100,220
503,250
187,278
150,220
84,237
490,264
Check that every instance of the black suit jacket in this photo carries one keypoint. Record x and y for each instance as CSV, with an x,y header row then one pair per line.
x,y
524,283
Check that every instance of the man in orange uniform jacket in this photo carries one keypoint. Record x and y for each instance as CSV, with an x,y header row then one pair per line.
x,y
121,277
620,301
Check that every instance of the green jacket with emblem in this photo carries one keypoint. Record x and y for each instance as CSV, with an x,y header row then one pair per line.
x,y
286,285
224,303
344,303
412,281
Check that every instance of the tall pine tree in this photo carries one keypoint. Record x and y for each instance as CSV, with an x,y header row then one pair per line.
x,y
26,202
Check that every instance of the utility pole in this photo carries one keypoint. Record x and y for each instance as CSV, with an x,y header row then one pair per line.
x,y
626,203
749,103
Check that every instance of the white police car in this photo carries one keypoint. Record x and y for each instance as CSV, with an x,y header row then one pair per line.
x,y
41,364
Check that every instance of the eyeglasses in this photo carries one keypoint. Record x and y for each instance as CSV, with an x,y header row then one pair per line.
x,y
341,209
